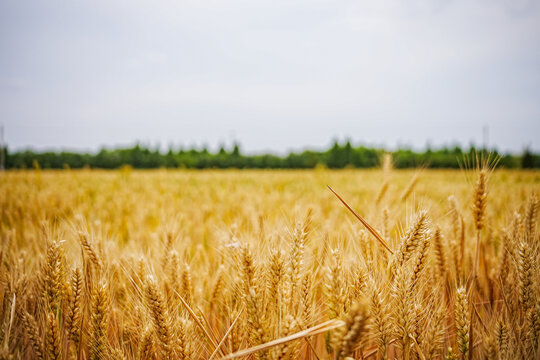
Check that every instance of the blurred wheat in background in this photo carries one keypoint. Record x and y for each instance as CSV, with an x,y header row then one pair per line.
x,y
174,264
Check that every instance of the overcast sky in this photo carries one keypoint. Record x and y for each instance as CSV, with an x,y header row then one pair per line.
x,y
271,74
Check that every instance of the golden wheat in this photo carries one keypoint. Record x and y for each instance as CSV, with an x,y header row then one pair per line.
x,y
269,264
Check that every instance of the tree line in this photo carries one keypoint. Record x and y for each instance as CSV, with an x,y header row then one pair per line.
x,y
338,156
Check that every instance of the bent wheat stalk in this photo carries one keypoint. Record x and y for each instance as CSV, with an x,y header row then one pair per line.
x,y
364,222
317,329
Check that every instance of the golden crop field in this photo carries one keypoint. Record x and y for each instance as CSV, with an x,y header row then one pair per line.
x,y
169,264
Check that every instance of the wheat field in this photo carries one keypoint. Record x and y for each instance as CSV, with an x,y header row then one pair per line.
x,y
170,264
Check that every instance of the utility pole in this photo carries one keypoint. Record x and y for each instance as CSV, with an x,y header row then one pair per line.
x,y
2,149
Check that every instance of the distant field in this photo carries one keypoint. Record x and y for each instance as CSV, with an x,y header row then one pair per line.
x,y
160,264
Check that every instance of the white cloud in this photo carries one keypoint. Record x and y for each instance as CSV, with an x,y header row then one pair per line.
x,y
376,70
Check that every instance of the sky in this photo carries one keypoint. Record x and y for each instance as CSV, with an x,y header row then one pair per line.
x,y
272,75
